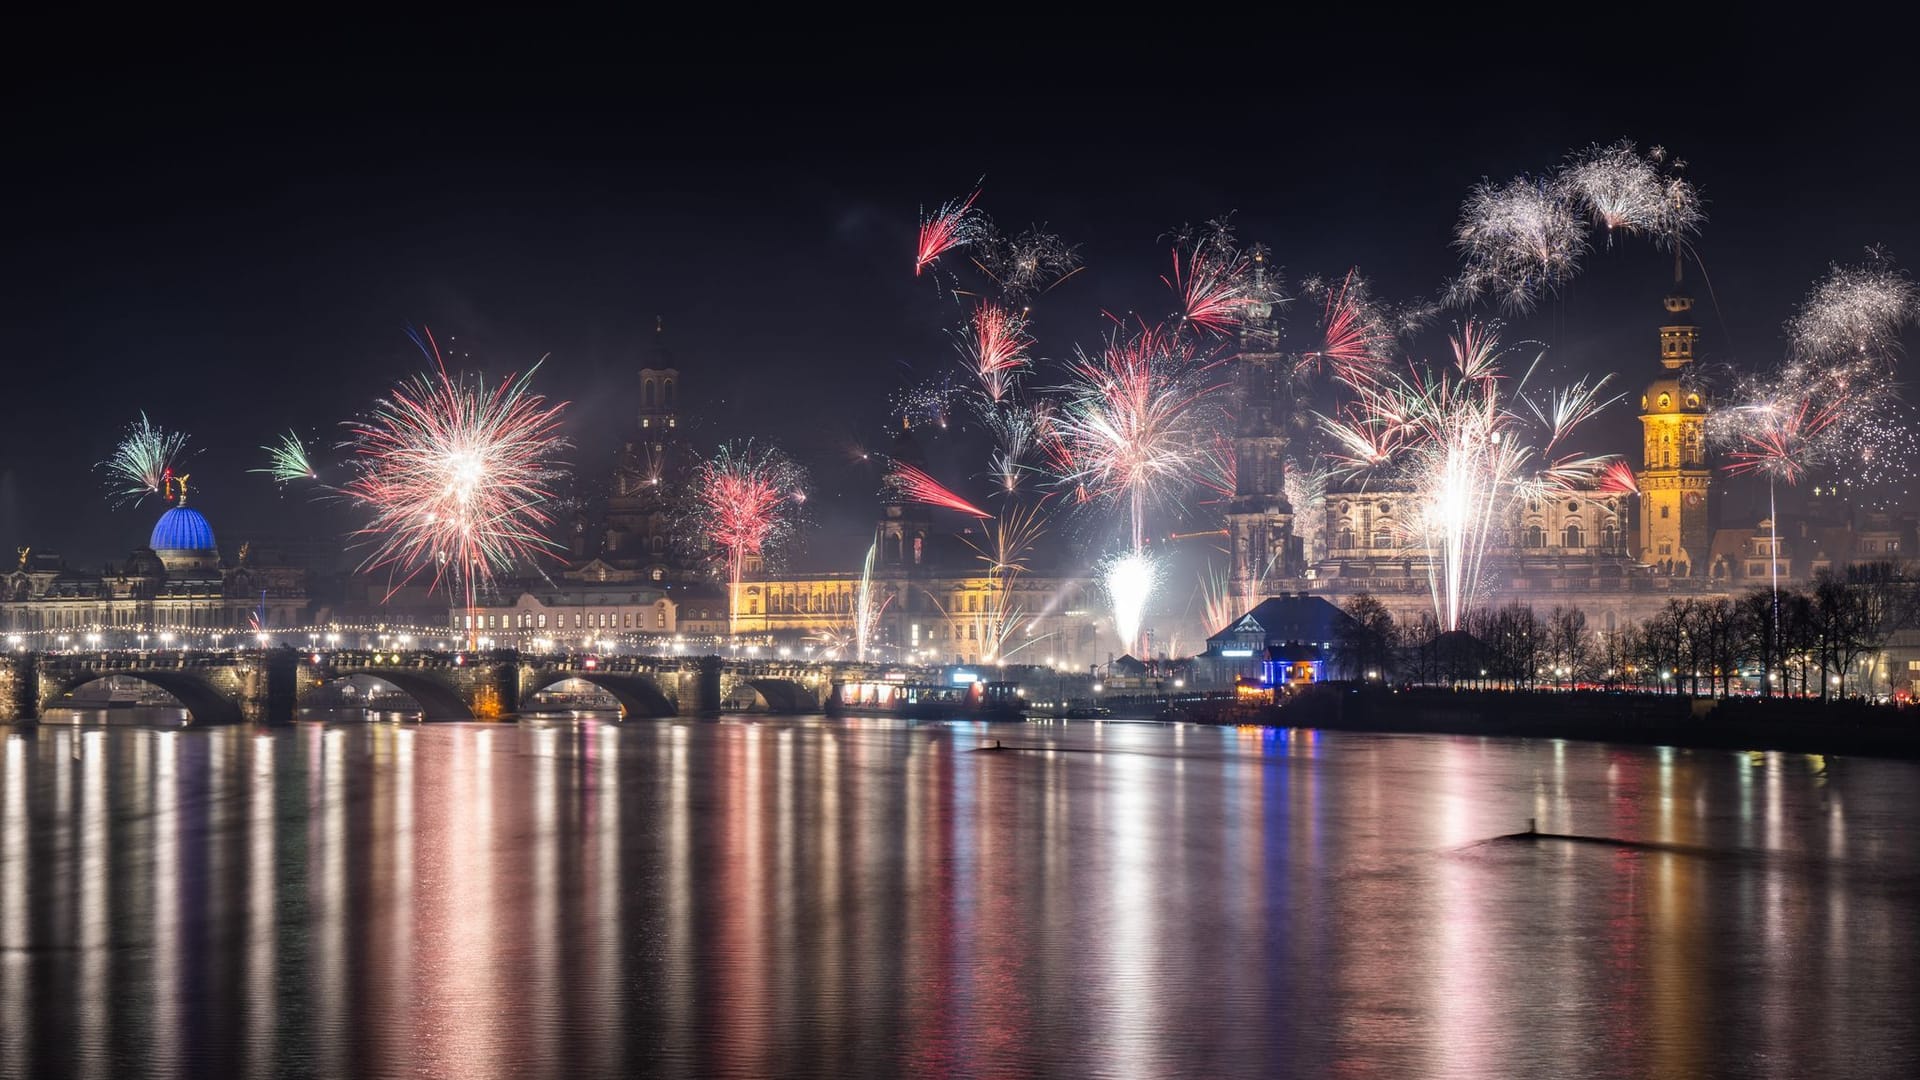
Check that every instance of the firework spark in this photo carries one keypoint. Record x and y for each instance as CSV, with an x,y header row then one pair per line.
x,y
456,476
1781,441
956,224
287,460
868,605
749,502
143,463
914,484
1618,479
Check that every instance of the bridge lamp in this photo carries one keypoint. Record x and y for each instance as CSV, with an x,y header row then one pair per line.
x,y
166,641
216,640
62,639
94,640
406,641
14,640
1097,688
332,639
1179,684
786,651
142,638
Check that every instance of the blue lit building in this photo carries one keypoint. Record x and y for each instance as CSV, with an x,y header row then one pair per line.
x,y
1285,640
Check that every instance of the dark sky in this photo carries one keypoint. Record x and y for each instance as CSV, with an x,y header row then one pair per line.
x,y
233,240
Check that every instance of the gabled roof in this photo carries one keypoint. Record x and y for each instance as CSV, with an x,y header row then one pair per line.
x,y
1289,617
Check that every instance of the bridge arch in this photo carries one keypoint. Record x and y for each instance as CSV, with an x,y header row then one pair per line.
x,y
436,699
639,696
778,695
204,704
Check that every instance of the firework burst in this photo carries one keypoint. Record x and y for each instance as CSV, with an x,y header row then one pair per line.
x,y
1468,451
1618,478
1629,192
287,460
995,349
956,224
1212,278
1520,241
143,463
1132,429
456,476
1029,264
749,501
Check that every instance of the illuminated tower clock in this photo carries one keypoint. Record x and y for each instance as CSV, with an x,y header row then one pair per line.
x,y
1674,477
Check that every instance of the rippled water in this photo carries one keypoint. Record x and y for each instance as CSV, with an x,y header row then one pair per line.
x,y
872,898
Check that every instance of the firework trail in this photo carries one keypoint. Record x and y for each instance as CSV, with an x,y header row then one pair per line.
x,y
1780,441
456,476
1306,491
1520,241
1131,429
914,484
867,608
749,502
1467,452
956,224
287,460
143,463
1017,431
995,349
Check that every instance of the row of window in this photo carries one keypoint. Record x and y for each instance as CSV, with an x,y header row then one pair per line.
x,y
588,620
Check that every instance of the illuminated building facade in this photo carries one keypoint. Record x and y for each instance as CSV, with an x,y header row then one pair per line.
x,y
178,585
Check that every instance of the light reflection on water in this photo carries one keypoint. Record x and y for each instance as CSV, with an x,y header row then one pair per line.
x,y
580,898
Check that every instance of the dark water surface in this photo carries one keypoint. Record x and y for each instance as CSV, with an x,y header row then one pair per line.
x,y
872,898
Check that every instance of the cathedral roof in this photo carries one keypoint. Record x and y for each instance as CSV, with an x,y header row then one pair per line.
x,y
182,529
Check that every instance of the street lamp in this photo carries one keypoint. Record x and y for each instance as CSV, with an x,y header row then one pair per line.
x,y
93,640
166,641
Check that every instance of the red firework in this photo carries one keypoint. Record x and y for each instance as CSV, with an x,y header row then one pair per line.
x,y
749,499
1354,340
918,486
997,348
1212,287
953,225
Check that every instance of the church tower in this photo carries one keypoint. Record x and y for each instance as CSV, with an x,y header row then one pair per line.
x,y
1675,480
904,523
1259,518
638,531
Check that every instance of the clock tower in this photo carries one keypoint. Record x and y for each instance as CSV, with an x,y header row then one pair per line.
x,y
1675,480
1259,518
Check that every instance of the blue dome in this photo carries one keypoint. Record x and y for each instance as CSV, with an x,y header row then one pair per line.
x,y
182,529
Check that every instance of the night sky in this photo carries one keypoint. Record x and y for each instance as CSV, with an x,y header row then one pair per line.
x,y
236,245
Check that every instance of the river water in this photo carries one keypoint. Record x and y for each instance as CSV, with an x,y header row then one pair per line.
x,y
853,898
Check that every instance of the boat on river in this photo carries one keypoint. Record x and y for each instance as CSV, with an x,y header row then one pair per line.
x,y
926,701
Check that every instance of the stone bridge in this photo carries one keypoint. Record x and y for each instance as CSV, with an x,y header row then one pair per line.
x,y
266,687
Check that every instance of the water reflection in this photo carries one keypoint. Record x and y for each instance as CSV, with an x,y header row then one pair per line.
x,y
583,898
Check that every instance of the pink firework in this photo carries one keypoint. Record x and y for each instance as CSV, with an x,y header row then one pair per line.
x,y
996,348
1130,430
749,500
915,484
955,224
456,475
1617,478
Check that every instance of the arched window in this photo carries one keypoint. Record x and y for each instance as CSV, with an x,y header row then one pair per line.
x,y
1573,537
647,393
1345,539
1536,536
666,393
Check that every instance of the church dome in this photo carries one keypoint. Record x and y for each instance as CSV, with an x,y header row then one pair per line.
x,y
1669,396
182,529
